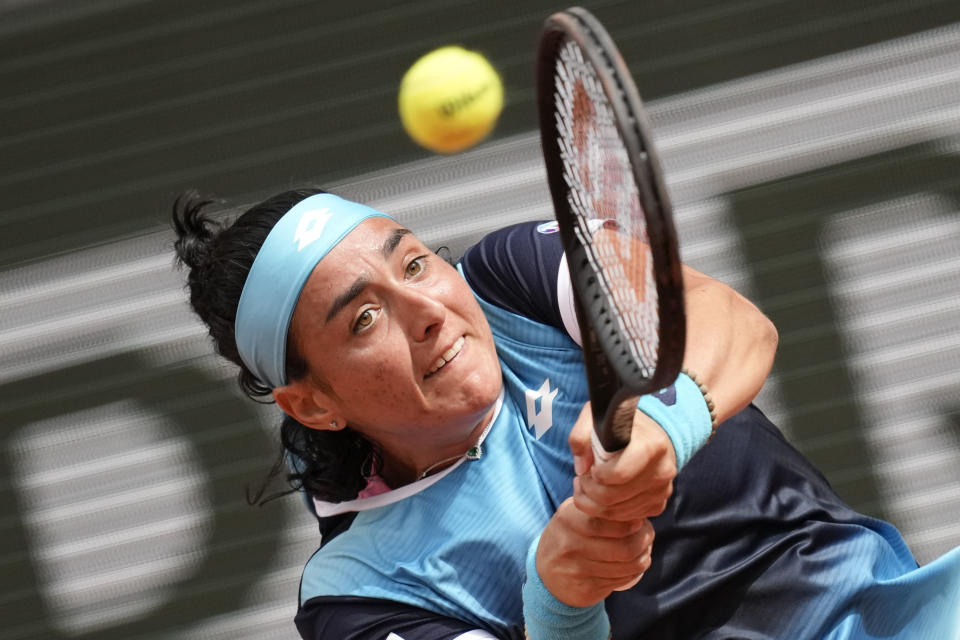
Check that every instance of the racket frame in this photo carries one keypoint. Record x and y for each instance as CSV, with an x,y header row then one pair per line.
x,y
614,379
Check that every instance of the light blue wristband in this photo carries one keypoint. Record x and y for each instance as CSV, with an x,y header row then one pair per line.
x,y
684,413
546,618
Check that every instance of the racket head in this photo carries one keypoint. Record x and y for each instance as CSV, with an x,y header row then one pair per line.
x,y
615,219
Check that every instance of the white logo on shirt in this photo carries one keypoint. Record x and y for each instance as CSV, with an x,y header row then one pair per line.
x,y
310,227
540,421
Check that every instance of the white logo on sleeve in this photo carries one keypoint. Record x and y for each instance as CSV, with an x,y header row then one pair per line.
x,y
540,420
310,227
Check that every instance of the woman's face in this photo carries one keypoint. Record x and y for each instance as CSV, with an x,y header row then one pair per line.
x,y
398,337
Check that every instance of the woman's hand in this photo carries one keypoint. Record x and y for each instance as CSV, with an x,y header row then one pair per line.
x,y
582,559
635,483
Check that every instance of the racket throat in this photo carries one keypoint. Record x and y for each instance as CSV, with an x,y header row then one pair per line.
x,y
613,404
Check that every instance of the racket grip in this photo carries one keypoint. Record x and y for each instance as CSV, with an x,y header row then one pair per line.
x,y
602,455
599,453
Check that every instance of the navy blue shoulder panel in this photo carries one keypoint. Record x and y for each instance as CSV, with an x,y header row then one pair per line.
x,y
333,526
353,618
516,269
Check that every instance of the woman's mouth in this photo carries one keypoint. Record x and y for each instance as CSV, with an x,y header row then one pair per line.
x,y
447,356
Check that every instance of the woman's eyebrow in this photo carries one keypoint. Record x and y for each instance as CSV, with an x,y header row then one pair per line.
x,y
389,246
344,298
391,243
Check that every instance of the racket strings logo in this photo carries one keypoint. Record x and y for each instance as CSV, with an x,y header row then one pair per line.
x,y
540,418
311,226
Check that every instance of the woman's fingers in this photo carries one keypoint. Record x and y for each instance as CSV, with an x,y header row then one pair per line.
x,y
627,507
582,559
635,483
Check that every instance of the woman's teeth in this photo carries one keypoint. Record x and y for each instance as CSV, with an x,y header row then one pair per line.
x,y
447,356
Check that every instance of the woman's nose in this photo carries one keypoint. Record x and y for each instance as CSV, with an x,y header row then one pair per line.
x,y
427,314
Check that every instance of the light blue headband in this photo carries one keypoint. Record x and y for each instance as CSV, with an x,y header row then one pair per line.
x,y
297,242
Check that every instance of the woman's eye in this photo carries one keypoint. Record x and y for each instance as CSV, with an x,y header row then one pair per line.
x,y
364,320
415,267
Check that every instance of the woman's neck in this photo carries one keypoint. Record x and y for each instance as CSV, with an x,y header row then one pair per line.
x,y
397,472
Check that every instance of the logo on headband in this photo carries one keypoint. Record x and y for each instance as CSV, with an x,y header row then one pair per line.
x,y
310,227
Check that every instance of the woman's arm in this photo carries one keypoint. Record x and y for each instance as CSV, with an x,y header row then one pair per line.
x,y
730,343
730,349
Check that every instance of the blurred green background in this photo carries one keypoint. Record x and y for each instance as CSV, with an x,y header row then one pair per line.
x,y
811,149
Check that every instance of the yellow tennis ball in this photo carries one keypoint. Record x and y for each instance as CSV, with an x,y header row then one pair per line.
x,y
450,99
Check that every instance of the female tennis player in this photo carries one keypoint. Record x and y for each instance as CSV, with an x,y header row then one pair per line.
x,y
435,418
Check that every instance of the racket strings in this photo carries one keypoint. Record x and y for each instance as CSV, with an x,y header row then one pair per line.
x,y
603,195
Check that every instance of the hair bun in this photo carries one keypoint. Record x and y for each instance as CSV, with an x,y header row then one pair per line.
x,y
195,231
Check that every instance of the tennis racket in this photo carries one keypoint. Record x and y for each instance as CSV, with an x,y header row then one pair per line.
x,y
615,221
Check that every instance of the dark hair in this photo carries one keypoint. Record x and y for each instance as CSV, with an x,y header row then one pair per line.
x,y
331,465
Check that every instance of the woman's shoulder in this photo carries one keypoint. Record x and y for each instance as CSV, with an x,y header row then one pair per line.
x,y
516,268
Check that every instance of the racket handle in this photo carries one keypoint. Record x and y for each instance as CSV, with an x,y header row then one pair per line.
x,y
613,426
599,453
602,455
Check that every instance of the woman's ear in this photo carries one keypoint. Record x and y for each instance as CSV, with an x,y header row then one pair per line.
x,y
308,406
